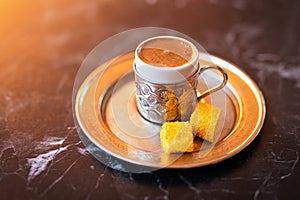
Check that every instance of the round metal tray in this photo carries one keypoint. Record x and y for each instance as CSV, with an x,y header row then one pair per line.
x,y
105,110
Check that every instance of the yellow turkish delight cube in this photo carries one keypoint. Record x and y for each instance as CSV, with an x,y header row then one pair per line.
x,y
204,120
177,137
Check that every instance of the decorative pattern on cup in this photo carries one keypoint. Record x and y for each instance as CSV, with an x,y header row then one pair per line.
x,y
159,103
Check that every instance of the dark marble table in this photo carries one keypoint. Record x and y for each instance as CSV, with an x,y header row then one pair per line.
x,y
42,46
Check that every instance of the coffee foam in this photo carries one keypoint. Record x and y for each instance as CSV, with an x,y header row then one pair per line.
x,y
166,52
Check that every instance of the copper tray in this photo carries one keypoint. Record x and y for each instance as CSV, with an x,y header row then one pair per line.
x,y
107,116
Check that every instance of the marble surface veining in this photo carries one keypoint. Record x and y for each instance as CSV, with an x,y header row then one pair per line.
x,y
42,46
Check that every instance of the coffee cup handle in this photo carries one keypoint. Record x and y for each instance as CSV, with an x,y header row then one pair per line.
x,y
216,88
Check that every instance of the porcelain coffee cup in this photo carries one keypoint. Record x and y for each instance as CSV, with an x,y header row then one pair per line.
x,y
167,70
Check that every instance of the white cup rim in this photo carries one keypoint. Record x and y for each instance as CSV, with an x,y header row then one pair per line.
x,y
166,75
